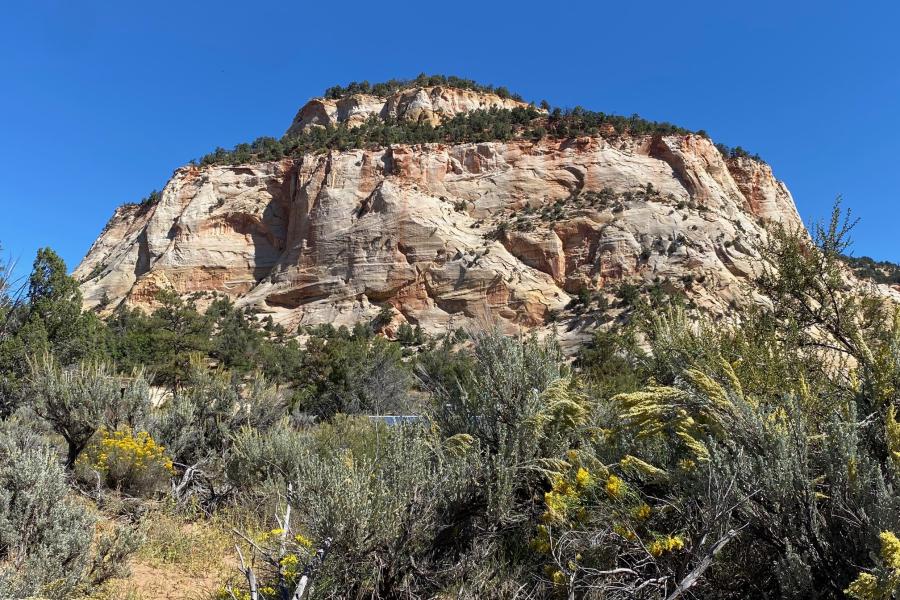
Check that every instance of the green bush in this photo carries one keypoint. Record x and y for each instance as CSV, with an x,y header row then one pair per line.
x,y
75,402
482,125
345,373
125,460
47,545
196,426
378,498
422,80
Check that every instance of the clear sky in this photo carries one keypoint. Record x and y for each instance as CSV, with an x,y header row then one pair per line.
x,y
101,101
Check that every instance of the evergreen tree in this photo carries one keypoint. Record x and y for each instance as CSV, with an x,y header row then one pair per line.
x,y
178,331
55,320
237,342
130,339
352,374
50,320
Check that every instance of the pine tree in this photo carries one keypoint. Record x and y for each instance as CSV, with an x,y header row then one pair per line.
x,y
178,331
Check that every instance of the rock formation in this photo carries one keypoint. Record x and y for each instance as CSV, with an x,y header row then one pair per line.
x,y
431,104
501,233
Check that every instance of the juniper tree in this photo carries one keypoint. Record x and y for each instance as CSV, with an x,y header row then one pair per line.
x,y
353,374
49,318
178,331
55,320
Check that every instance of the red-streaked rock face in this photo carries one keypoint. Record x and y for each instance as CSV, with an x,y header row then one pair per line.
x,y
491,233
766,197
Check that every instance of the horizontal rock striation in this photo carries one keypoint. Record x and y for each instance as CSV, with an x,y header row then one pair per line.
x,y
495,233
431,104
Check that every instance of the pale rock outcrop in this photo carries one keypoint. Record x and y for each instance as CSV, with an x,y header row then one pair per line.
x,y
541,250
430,104
497,233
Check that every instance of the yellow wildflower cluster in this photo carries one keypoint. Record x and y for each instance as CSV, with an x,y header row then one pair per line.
x,y
541,542
290,567
885,583
266,592
290,563
642,512
555,575
624,532
582,478
566,494
267,536
615,486
660,546
557,501
238,594
890,550
865,587
129,461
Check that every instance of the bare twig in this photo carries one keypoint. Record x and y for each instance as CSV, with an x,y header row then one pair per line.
x,y
691,578
311,568
248,572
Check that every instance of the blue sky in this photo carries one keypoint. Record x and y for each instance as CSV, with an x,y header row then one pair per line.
x,y
101,101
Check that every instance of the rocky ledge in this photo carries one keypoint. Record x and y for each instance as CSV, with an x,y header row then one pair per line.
x,y
494,233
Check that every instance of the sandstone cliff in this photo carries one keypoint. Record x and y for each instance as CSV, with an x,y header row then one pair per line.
x,y
497,233
430,104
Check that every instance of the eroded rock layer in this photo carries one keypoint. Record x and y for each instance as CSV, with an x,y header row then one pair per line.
x,y
432,104
499,233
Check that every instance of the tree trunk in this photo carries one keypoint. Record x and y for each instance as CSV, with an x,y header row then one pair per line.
x,y
74,449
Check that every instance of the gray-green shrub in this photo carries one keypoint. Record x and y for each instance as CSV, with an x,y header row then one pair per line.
x,y
48,546
76,401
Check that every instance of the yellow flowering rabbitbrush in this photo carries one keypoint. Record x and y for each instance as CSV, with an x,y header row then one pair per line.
x,y
885,582
661,545
614,486
133,463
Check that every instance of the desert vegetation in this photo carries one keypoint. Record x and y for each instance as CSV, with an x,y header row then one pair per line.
x,y
879,271
386,88
673,457
482,125
495,124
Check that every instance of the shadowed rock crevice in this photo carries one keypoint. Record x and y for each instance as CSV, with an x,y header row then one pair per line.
x,y
501,233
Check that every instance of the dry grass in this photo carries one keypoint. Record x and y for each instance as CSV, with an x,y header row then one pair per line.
x,y
181,558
